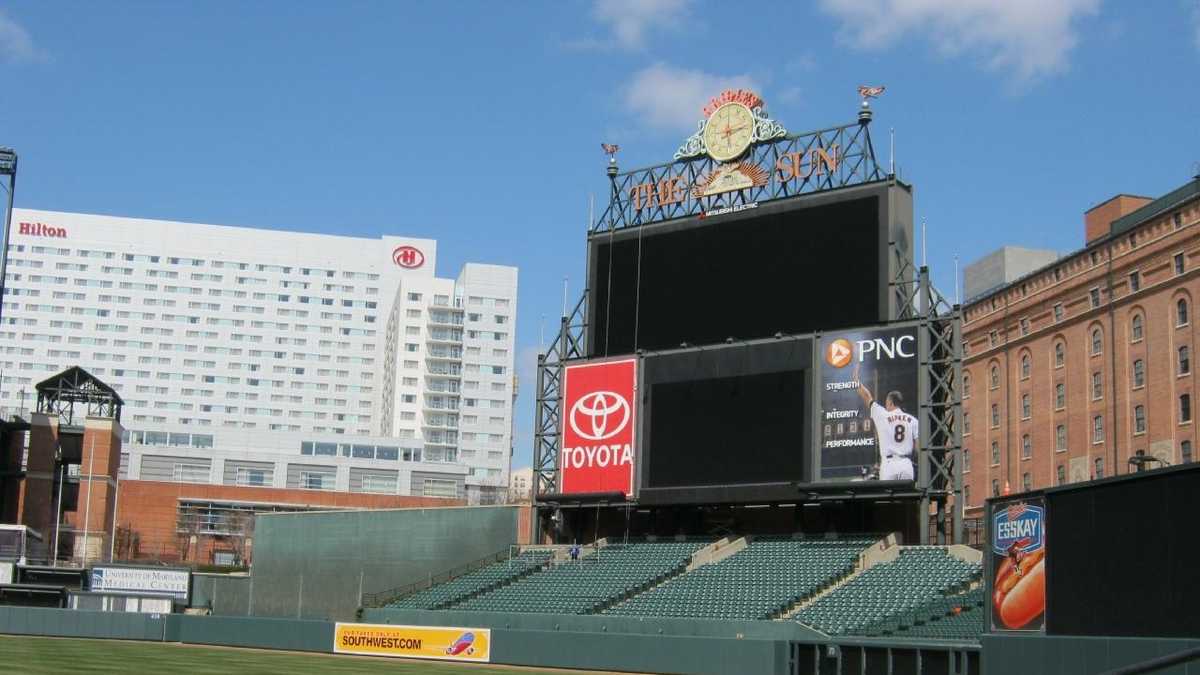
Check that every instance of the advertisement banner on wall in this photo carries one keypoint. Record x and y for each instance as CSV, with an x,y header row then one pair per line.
x,y
868,400
413,642
598,427
173,582
1018,556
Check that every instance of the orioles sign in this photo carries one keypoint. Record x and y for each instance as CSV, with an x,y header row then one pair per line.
x,y
733,122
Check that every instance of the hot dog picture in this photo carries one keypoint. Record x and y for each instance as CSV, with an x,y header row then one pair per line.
x,y
1019,560
1020,588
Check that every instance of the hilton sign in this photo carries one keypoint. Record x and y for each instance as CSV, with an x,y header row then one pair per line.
x,y
41,230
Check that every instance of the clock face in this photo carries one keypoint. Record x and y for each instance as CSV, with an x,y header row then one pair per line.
x,y
729,131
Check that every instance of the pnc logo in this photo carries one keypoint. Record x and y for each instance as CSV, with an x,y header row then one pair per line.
x,y
839,352
408,257
599,415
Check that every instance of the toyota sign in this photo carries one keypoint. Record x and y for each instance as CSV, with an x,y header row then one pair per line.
x,y
599,406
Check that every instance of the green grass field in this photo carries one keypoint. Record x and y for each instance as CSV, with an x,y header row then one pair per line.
x,y
34,655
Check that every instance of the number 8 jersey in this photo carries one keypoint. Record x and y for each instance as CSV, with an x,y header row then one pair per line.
x,y
896,431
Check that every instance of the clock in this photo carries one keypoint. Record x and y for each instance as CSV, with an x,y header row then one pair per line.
x,y
729,131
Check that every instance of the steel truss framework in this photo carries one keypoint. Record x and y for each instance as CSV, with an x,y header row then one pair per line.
x,y
59,394
939,477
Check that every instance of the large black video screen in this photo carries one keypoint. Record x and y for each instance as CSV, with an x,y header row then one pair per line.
x,y
787,271
726,416
1121,558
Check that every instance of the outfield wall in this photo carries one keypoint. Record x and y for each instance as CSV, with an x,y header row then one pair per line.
x,y
662,646
317,565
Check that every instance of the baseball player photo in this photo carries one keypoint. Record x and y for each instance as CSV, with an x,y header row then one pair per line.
x,y
895,432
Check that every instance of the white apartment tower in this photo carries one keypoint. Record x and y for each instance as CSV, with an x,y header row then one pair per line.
x,y
224,334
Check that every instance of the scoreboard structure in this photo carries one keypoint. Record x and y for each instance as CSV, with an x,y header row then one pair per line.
x,y
748,306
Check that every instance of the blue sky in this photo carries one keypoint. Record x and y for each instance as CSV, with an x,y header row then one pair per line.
x,y
479,124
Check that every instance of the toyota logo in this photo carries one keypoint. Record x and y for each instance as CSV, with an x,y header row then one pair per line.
x,y
603,413
838,353
408,257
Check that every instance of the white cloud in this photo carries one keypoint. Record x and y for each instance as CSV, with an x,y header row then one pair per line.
x,y
1027,38
671,98
15,42
630,20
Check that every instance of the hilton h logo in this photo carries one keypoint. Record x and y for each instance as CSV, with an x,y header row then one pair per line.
x,y
408,257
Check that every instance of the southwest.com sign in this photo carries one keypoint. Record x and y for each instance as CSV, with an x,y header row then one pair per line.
x,y
599,405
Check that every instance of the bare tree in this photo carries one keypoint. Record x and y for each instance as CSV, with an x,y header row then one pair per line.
x,y
241,530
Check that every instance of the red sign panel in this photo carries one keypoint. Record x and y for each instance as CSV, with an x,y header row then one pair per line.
x,y
599,405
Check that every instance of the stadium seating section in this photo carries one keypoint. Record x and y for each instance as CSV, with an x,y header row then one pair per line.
x,y
953,617
474,583
924,593
579,587
758,582
919,576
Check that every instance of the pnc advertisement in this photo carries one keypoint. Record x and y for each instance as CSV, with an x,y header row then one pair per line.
x,y
413,642
868,403
598,427
1018,542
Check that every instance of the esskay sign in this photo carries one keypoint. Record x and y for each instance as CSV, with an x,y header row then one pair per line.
x,y
154,580
413,642
599,415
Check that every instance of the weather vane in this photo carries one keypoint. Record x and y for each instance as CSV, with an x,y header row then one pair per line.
x,y
610,150
869,92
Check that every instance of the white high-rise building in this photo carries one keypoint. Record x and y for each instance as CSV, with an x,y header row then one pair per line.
x,y
228,334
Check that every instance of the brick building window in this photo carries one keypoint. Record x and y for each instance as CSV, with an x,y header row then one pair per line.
x,y
1026,407
995,377
1139,374
966,460
995,453
1177,219
1058,310
966,423
1025,366
1094,297
1060,474
1178,263
1139,419
966,385
1185,452
992,337
1097,386
1097,341
1060,396
1060,438
1026,481
1026,447
1135,281
967,495
995,415
1185,408
1098,429
1060,354
995,487
1099,467
1185,361
1024,326
1135,328
1181,312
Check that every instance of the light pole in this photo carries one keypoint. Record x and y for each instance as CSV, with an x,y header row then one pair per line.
x,y
8,167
